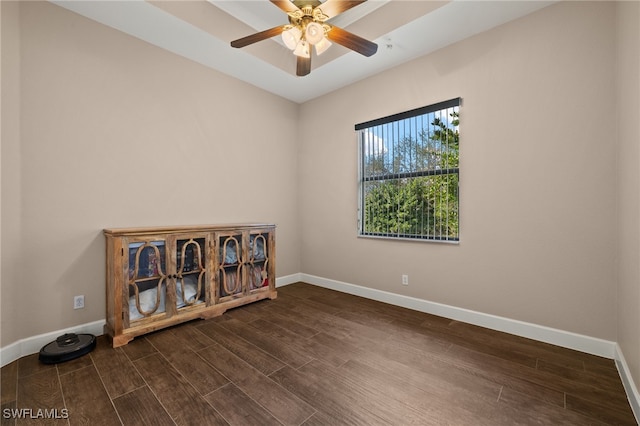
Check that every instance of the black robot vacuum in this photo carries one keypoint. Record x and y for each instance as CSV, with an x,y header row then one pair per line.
x,y
67,347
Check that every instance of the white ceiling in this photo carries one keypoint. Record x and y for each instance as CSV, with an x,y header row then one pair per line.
x,y
201,31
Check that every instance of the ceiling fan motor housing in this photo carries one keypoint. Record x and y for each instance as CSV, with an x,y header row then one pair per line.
x,y
304,3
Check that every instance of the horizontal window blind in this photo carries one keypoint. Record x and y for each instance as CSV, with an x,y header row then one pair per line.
x,y
409,174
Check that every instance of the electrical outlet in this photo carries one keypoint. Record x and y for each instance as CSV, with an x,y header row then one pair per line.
x,y
405,280
78,302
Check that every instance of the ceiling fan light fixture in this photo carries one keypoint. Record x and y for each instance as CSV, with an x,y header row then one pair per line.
x,y
314,32
302,49
322,46
291,37
307,27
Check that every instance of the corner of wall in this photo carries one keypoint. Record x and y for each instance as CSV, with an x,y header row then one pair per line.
x,y
627,381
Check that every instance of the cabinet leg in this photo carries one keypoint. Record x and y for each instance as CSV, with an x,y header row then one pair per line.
x,y
212,313
118,341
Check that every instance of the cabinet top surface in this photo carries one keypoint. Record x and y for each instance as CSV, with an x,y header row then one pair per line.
x,y
184,228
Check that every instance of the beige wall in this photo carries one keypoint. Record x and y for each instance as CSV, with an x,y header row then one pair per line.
x,y
628,111
538,176
115,132
10,158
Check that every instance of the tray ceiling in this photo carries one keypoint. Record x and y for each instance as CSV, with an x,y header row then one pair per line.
x,y
201,31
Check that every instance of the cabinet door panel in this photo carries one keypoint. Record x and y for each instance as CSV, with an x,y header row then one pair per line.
x,y
192,279
146,292
229,276
257,274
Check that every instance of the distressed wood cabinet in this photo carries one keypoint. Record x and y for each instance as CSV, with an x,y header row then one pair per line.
x,y
158,277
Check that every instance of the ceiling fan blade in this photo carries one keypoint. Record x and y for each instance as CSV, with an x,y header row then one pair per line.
x,y
303,66
332,8
352,41
254,38
285,5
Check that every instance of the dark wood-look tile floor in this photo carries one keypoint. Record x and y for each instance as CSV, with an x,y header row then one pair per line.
x,y
318,357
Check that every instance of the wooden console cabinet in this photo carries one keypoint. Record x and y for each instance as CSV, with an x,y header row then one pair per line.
x,y
158,277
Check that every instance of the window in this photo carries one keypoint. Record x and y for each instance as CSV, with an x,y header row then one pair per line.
x,y
409,173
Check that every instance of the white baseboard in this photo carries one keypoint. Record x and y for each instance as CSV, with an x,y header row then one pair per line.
x,y
562,338
288,279
566,339
557,337
32,345
627,381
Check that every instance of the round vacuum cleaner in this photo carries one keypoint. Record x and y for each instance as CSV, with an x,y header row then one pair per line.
x,y
67,347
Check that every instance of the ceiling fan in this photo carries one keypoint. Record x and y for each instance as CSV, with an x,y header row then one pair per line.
x,y
307,28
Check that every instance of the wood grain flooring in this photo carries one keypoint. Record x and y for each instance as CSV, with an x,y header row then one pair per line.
x,y
318,357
